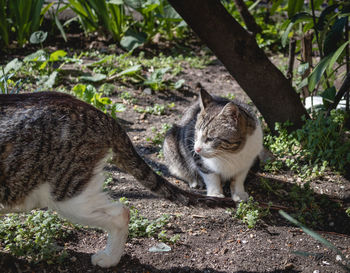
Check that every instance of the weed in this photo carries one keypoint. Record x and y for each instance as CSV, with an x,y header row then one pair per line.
x,y
319,145
156,109
347,212
158,138
34,235
127,96
140,226
250,212
89,94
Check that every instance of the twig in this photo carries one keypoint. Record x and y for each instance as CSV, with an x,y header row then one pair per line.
x,y
292,44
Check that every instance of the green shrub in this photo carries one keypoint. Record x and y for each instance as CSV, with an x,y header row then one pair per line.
x,y
320,144
19,18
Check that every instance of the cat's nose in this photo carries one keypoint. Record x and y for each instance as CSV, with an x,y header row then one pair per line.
x,y
198,150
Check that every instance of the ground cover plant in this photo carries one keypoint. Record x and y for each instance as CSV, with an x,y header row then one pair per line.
x,y
147,89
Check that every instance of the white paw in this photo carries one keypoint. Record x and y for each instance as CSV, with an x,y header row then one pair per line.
x,y
215,194
104,259
193,184
240,196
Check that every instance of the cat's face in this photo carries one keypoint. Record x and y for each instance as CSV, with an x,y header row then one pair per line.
x,y
219,129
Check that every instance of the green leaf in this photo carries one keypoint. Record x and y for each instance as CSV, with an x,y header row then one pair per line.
x,y
60,28
294,6
130,71
286,33
57,55
15,65
275,5
38,37
317,73
38,56
179,83
116,2
94,78
334,36
51,80
132,40
328,95
118,107
336,56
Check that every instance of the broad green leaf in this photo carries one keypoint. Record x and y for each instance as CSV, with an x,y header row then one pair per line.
x,y
286,33
130,71
335,56
294,6
316,75
15,65
101,61
334,36
328,95
38,56
179,84
51,80
79,90
57,55
132,40
43,65
38,37
170,13
94,78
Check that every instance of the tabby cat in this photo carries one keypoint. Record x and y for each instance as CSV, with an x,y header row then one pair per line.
x,y
217,140
52,151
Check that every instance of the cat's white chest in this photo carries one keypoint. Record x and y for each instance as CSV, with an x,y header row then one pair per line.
x,y
230,165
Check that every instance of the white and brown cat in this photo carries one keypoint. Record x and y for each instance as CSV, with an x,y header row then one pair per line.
x,y
52,151
217,140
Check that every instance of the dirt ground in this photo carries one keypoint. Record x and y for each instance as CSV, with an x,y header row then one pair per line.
x,y
211,240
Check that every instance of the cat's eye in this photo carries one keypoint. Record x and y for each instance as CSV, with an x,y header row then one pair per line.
x,y
209,139
237,143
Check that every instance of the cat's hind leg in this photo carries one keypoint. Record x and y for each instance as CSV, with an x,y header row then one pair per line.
x,y
92,207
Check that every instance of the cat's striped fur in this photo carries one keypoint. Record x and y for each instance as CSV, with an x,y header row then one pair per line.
x,y
52,152
217,140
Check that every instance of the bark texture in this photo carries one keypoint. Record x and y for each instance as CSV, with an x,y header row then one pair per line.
x,y
267,87
247,17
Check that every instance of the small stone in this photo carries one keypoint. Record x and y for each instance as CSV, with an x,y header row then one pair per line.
x,y
73,259
148,91
338,258
316,271
244,241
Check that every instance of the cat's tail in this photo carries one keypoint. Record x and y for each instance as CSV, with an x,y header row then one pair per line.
x,y
127,159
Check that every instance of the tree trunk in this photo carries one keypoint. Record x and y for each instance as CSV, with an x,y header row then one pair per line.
x,y
267,87
248,19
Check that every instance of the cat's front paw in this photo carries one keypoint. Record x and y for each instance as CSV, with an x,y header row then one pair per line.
x,y
104,259
240,196
216,194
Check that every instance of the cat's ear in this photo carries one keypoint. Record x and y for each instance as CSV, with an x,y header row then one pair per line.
x,y
205,98
230,110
